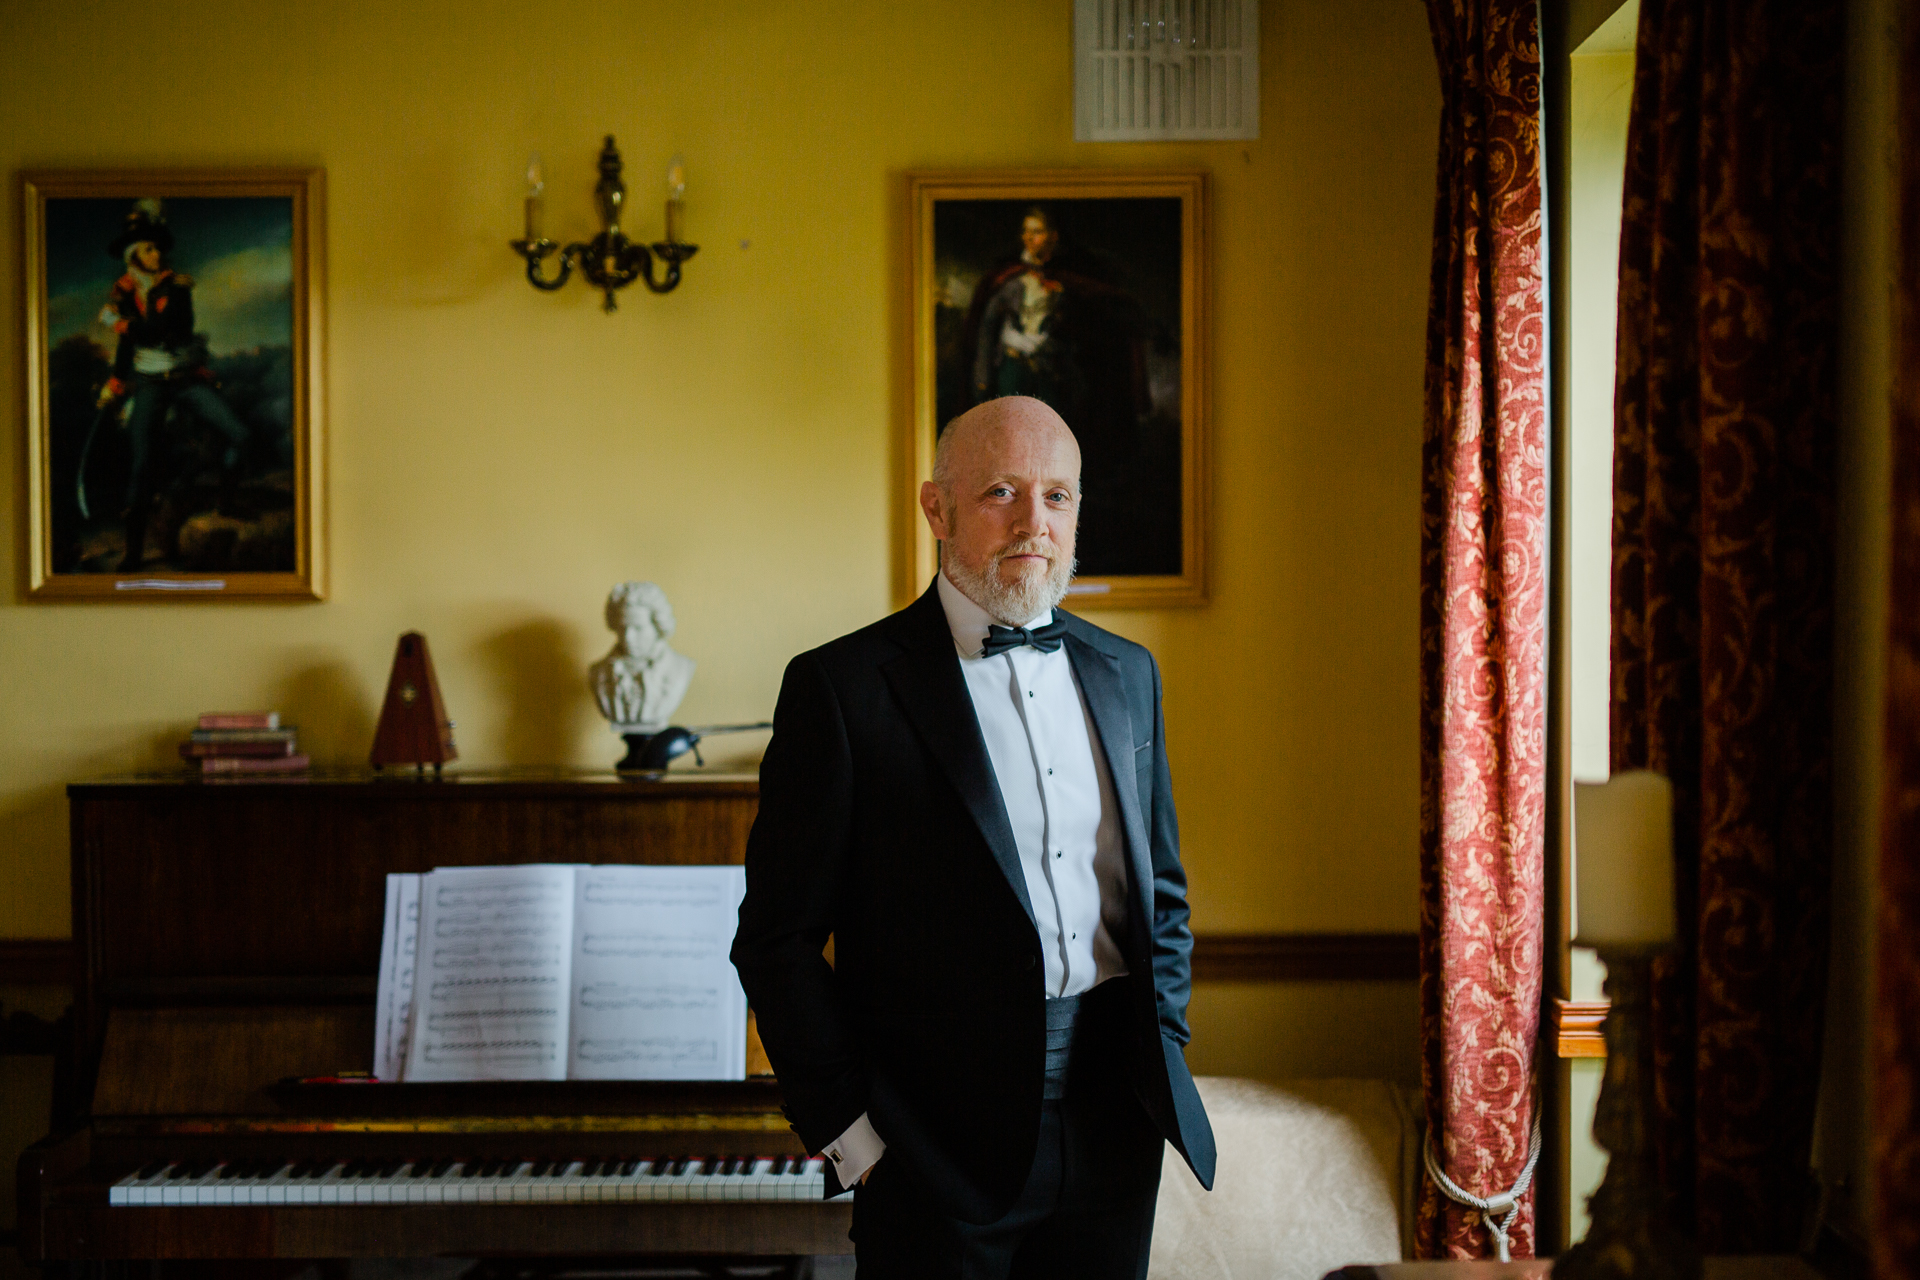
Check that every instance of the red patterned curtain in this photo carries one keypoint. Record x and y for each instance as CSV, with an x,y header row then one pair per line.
x,y
1483,622
1897,1045
1723,578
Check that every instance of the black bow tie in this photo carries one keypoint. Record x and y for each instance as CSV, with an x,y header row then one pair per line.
x,y
1046,639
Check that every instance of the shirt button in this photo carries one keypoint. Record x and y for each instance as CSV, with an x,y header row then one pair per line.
x,y
1058,852
1029,693
1049,773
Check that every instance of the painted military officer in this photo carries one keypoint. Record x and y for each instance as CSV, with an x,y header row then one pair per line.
x,y
159,364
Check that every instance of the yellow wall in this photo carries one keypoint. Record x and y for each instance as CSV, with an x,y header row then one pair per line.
x,y
500,457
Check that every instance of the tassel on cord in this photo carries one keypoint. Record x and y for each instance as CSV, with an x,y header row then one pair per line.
x,y
1507,1202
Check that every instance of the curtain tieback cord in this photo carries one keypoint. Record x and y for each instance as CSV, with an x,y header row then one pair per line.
x,y
1507,1202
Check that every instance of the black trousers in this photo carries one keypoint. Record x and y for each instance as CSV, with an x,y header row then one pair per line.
x,y
1086,1211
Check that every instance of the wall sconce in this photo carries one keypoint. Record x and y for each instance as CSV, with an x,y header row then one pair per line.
x,y
609,261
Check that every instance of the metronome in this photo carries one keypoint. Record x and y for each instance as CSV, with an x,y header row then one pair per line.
x,y
414,728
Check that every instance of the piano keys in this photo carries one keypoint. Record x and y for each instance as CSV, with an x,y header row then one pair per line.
x,y
230,937
477,1180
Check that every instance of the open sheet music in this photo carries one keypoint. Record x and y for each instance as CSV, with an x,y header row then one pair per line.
x,y
553,972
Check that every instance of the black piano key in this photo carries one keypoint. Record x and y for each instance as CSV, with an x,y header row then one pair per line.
x,y
540,1168
509,1168
230,1170
202,1168
420,1169
629,1167
779,1166
560,1168
658,1168
353,1169
470,1168
322,1167
681,1164
153,1170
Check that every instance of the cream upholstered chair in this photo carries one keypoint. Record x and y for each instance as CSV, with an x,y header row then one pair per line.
x,y
1312,1174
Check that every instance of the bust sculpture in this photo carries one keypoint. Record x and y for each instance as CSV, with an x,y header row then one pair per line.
x,y
640,682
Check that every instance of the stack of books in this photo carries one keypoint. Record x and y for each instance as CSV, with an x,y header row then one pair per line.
x,y
244,742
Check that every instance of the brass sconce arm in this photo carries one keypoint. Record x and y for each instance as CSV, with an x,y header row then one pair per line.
x,y
537,252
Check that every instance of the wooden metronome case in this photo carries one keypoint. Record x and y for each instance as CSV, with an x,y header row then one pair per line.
x,y
414,728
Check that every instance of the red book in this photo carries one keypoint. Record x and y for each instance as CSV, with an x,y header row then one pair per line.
x,y
201,750
242,764
239,720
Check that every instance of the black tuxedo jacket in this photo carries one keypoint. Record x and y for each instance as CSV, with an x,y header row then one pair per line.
x,y
881,824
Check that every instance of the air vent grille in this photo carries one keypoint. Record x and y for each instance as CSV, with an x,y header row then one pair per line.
x,y
1166,69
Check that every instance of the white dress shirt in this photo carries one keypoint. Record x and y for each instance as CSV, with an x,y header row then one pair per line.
x,y
1060,803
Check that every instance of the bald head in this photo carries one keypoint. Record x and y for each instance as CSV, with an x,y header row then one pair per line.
x,y
995,428
1004,501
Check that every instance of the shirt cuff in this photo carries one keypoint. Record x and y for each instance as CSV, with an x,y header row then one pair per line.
x,y
855,1151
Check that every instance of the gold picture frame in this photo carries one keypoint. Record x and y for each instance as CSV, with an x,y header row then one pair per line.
x,y
1129,258
175,375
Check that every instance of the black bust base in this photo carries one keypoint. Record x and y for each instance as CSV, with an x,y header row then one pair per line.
x,y
634,761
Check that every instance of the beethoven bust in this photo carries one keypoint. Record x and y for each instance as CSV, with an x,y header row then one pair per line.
x,y
640,682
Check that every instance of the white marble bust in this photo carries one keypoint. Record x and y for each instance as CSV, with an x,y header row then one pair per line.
x,y
639,683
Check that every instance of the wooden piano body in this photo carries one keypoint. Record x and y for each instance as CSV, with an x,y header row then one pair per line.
x,y
229,940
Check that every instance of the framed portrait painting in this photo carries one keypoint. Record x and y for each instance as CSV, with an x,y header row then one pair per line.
x,y
174,375
1086,289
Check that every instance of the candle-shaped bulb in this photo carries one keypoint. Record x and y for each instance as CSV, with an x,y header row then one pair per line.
x,y
676,193
1623,861
535,185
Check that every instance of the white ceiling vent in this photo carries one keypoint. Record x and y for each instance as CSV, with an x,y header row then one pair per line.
x,y
1165,70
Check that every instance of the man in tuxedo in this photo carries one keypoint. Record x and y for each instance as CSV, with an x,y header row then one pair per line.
x,y
971,799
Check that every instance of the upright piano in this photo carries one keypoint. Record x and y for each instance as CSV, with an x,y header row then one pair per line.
x,y
228,934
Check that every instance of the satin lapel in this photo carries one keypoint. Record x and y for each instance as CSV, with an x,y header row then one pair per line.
x,y
1099,676
927,680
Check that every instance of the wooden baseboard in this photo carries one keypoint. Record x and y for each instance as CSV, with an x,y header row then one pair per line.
x,y
1217,957
1576,1028
36,962
1306,957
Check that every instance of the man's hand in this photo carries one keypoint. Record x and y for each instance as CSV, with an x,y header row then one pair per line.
x,y
109,392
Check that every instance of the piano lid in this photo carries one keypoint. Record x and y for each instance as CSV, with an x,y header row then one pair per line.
x,y
215,1070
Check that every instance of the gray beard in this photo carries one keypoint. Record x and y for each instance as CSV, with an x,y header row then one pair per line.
x,y
1012,605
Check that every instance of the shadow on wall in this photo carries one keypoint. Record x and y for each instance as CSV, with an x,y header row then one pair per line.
x,y
334,709
538,668
34,824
